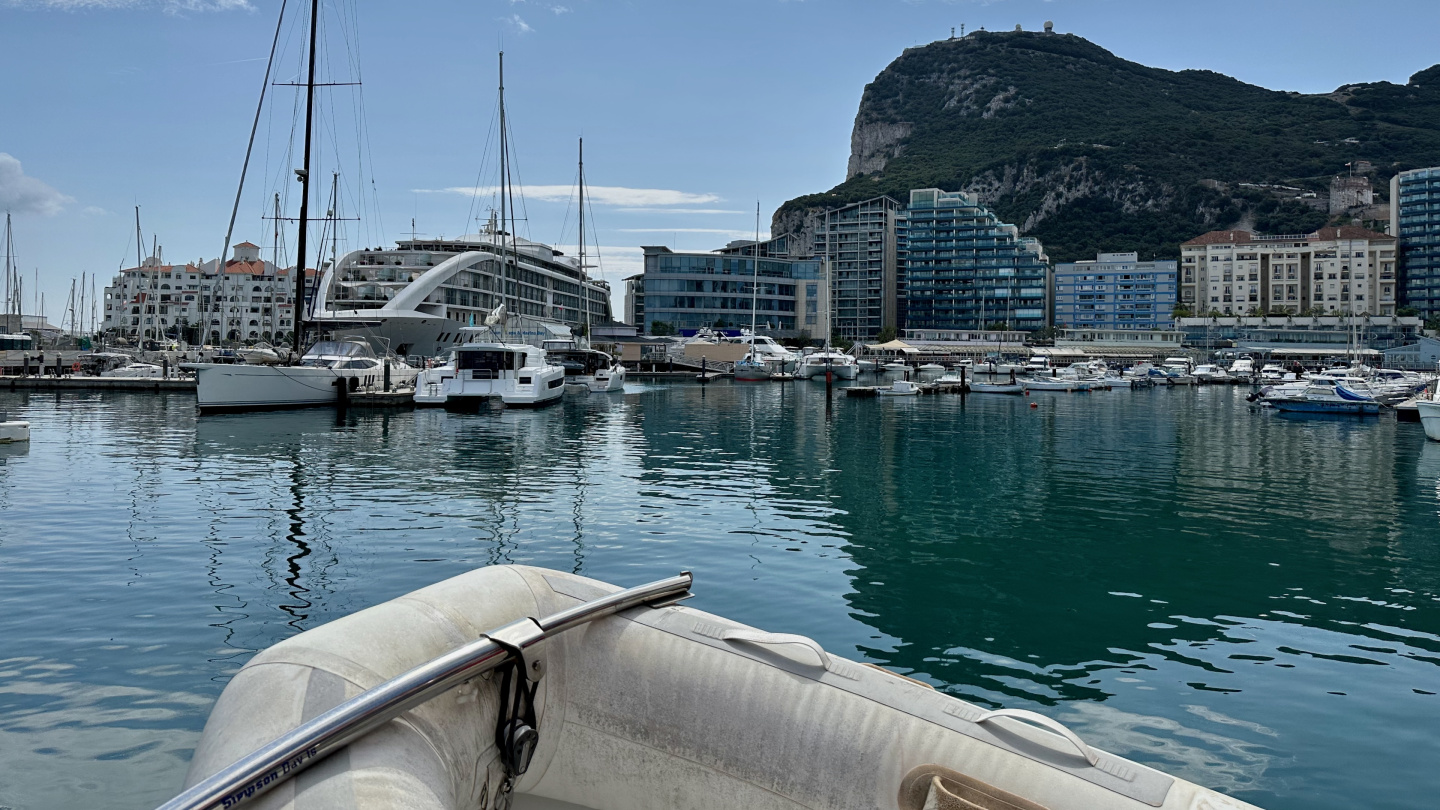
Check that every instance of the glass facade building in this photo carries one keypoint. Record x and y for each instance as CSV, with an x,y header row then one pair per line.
x,y
964,268
1115,291
693,290
1415,219
866,284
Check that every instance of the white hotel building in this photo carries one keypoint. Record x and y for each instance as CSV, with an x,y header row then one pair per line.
x,y
250,300
1337,270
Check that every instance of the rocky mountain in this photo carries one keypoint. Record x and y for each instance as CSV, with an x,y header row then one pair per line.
x,y
1090,152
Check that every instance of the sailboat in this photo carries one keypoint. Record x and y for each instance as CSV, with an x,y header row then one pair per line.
x,y
519,375
587,369
328,364
751,368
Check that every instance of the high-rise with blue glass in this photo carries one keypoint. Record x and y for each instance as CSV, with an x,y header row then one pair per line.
x,y
1415,219
1115,291
964,268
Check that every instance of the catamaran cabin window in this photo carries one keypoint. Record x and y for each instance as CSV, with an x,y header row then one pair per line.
x,y
487,360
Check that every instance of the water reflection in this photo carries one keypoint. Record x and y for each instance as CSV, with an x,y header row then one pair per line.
x,y
1243,600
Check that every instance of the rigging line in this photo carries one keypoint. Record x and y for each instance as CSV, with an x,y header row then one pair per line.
x,y
569,201
255,125
513,171
484,160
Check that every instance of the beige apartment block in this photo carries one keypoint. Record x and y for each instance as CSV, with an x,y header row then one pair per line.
x,y
1344,269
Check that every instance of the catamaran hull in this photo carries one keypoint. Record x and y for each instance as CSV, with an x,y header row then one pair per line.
x,y
845,372
653,708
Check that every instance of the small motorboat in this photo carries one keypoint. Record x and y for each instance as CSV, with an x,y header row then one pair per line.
x,y
997,388
539,689
1336,399
136,370
899,388
896,366
262,354
931,369
1050,384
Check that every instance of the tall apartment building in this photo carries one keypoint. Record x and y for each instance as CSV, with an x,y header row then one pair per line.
x,y
866,283
635,300
248,299
1343,269
693,290
963,268
1415,219
1115,291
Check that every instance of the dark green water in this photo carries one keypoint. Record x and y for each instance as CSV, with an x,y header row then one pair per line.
x,y
1244,600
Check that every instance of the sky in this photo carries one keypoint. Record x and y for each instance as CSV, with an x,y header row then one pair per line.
x,y
691,111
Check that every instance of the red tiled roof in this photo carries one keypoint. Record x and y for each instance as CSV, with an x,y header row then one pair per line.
x,y
254,268
1324,234
1220,238
1350,232
247,245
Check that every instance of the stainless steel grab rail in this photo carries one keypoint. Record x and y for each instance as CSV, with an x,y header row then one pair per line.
x,y
260,770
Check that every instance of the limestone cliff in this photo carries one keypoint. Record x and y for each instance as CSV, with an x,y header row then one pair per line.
x,y
1091,152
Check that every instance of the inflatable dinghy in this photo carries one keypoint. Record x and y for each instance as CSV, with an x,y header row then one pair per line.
x,y
520,687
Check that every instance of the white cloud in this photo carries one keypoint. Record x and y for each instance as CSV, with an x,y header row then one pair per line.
x,y
733,234
94,211
679,211
516,22
600,195
26,195
168,6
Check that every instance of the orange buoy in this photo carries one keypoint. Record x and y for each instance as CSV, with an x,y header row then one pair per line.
x,y
1033,405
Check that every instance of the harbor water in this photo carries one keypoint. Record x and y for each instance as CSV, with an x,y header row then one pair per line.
x,y
1243,599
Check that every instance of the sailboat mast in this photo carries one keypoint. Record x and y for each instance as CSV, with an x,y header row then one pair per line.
x,y
584,288
10,293
504,171
755,278
304,185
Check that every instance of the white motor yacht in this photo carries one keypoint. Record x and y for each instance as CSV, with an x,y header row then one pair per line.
x,y
1242,367
839,364
134,370
328,363
262,354
518,375
592,370
763,348
1210,373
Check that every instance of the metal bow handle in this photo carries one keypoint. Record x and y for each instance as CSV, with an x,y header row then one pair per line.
x,y
1046,723
778,639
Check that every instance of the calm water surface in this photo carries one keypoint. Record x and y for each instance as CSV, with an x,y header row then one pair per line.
x,y
1245,600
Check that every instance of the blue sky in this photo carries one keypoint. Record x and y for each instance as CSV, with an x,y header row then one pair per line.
x,y
690,111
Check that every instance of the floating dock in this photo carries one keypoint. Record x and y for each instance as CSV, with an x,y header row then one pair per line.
x,y
925,389
69,383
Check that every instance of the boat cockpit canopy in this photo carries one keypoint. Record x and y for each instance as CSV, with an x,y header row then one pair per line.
x,y
467,359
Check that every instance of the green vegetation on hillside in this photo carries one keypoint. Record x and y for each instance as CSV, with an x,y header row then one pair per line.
x,y
1119,149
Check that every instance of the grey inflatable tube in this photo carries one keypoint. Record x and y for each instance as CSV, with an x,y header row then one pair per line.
x,y
654,709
